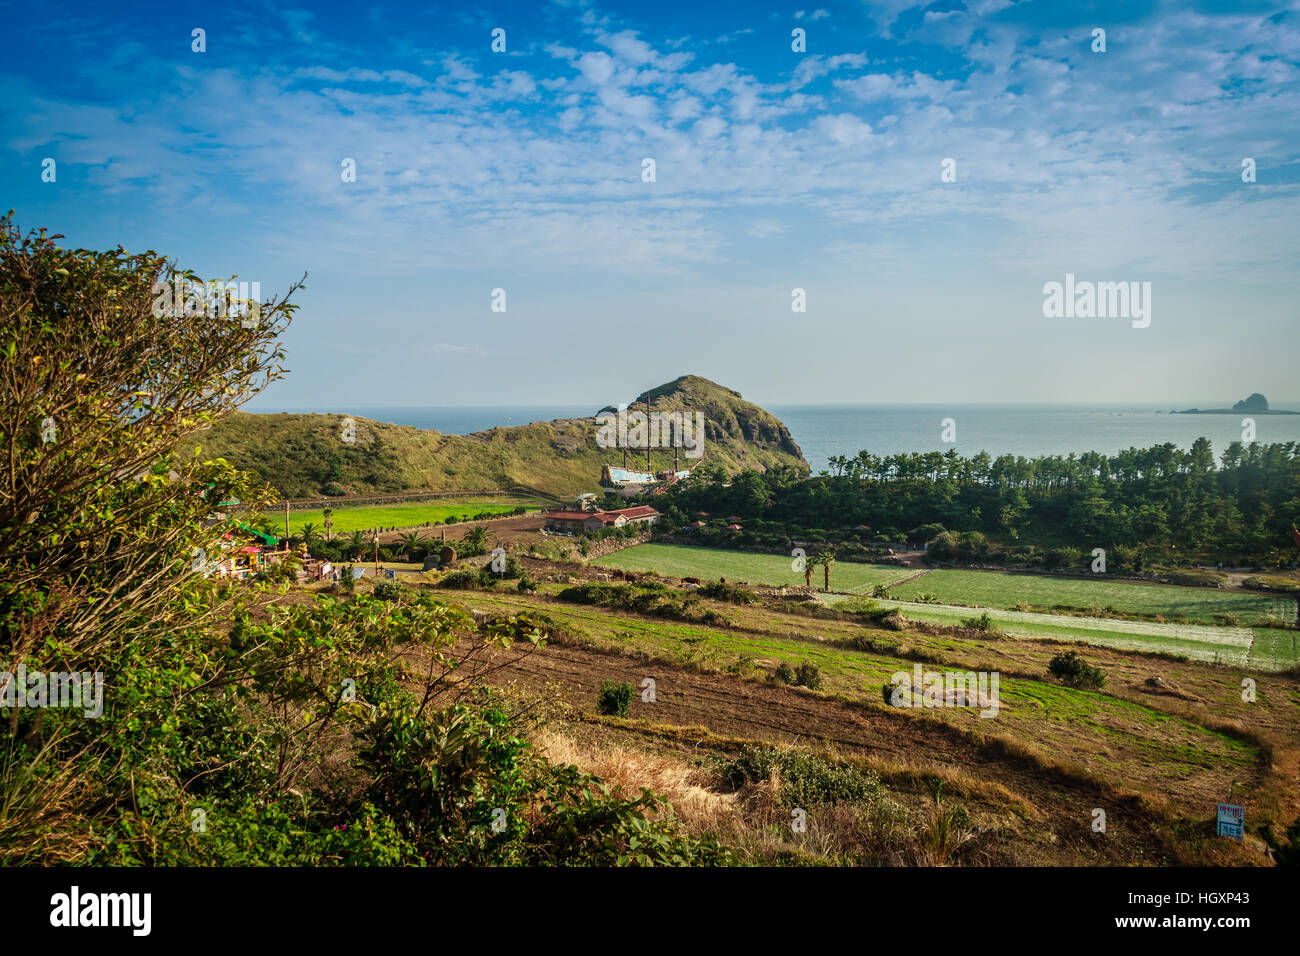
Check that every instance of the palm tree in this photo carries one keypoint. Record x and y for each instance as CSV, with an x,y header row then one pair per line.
x,y
357,544
328,523
309,534
825,559
477,536
411,541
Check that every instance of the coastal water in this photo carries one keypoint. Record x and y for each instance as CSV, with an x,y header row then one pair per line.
x,y
825,430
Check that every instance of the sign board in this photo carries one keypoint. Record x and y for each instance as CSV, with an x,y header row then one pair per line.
x,y
1232,821
357,572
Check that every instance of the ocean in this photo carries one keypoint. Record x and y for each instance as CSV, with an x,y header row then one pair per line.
x,y
825,430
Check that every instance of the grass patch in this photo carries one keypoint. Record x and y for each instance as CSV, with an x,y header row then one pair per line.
x,y
774,570
409,515
999,589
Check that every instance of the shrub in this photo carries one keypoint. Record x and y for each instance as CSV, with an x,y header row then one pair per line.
x,y
805,780
743,666
283,571
784,673
1055,558
462,578
721,591
386,590
526,583
1073,671
614,699
984,624
1194,577
808,675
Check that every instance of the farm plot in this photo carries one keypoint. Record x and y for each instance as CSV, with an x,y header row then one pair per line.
x,y
1003,590
1198,642
679,560
1276,648
408,515
1134,741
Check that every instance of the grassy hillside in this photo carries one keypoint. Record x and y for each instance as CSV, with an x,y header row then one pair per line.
x,y
304,455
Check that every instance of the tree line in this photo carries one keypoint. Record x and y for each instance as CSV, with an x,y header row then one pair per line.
x,y
1181,502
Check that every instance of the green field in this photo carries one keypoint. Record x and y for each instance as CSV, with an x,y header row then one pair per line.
x,y
408,515
968,593
1197,642
1003,590
771,569
1276,648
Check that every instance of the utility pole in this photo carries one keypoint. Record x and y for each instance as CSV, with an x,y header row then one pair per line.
x,y
647,438
286,524
375,540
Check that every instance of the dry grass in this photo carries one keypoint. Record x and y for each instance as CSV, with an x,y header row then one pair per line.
x,y
628,771
42,811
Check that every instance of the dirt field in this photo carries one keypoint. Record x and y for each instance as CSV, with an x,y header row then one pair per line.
x,y
1156,749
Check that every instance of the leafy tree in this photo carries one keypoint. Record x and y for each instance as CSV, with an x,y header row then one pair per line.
x,y
301,728
99,521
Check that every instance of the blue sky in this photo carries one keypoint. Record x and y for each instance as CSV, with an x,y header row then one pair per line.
x,y
775,170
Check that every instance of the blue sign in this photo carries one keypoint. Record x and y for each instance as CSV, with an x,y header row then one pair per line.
x,y
1232,821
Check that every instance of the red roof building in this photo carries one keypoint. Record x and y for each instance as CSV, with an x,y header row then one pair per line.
x,y
578,521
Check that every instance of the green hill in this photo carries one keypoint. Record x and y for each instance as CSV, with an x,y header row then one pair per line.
x,y
305,455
